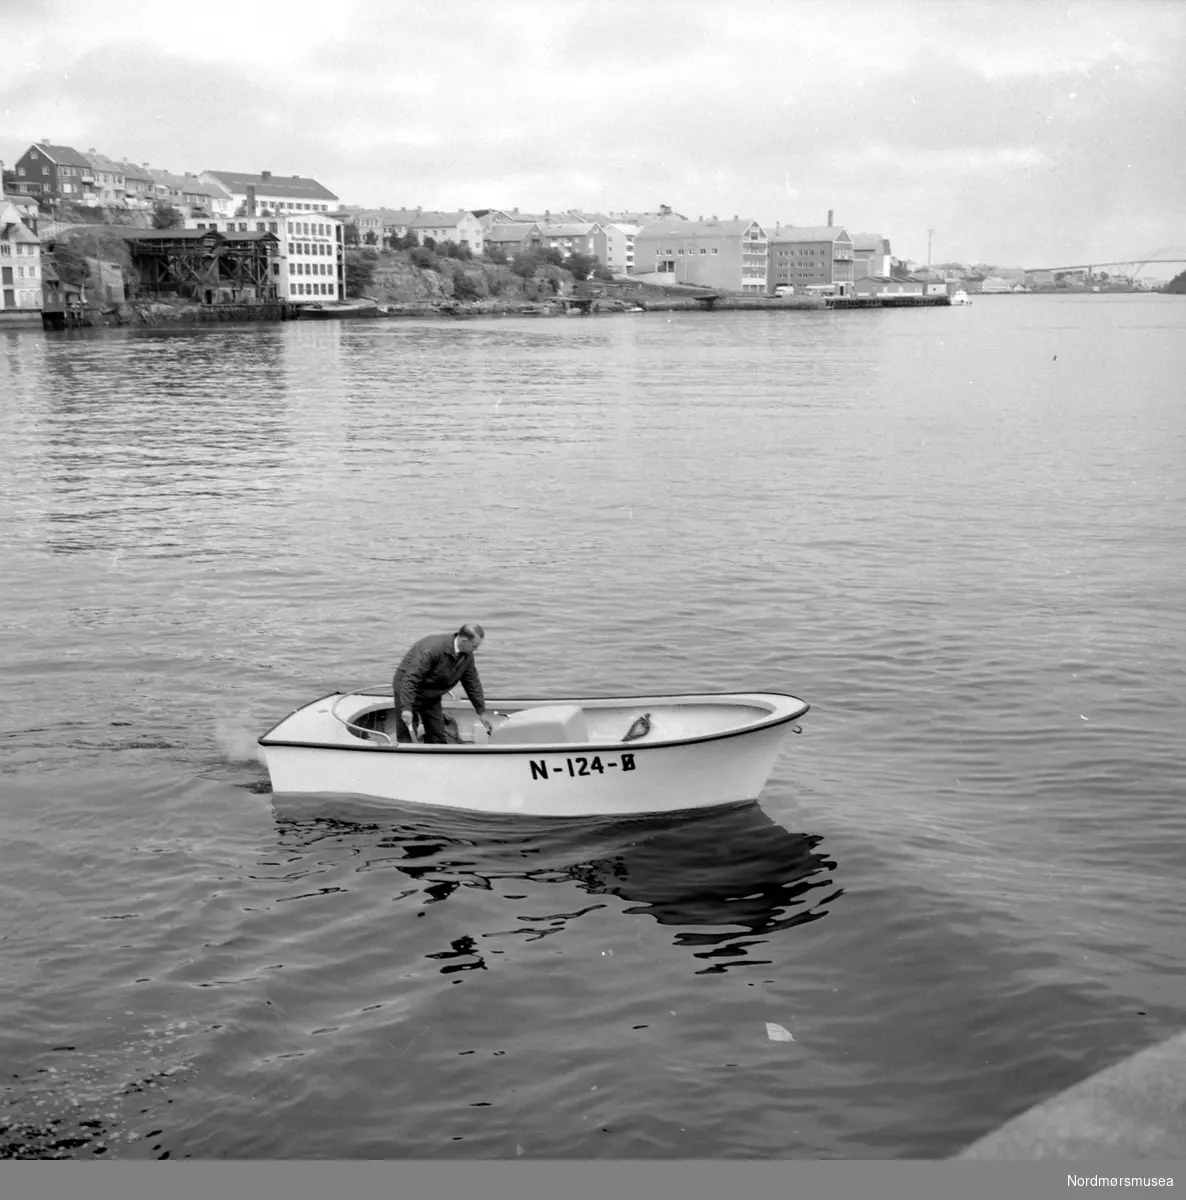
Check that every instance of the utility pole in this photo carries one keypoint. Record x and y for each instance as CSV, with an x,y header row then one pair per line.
x,y
930,233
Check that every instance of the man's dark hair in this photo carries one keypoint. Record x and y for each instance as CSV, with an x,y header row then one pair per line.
x,y
472,631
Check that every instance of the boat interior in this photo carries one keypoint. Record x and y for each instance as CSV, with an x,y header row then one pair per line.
x,y
566,724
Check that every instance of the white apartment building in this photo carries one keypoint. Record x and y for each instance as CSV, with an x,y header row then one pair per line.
x,y
266,193
310,265
619,247
20,263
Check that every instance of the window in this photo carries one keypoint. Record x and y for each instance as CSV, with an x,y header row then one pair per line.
x,y
715,250
20,170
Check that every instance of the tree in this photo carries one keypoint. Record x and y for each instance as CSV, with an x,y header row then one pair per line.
x,y
554,256
581,265
423,258
524,264
360,270
350,234
495,254
371,238
1177,285
165,216
464,288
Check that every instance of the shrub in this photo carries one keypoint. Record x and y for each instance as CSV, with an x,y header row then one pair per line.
x,y
464,288
524,264
423,257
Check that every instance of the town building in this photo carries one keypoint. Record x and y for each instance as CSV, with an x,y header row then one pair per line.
x,y
139,185
870,255
203,265
20,265
618,255
55,173
309,264
573,237
265,192
513,238
189,194
883,285
816,259
111,188
731,255
461,228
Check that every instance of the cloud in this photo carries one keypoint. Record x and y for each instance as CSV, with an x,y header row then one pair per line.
x,y
1018,130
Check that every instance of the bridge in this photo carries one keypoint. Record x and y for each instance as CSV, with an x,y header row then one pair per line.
x,y
1165,254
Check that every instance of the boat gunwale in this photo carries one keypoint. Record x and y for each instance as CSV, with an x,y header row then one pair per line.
x,y
467,749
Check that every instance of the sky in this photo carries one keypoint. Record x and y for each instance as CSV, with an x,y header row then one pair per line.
x,y
1015,134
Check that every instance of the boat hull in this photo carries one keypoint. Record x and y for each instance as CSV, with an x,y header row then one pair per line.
x,y
704,769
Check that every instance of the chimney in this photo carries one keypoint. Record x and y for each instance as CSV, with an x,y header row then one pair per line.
x,y
829,218
265,175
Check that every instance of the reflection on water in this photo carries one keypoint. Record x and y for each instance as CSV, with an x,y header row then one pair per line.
x,y
726,880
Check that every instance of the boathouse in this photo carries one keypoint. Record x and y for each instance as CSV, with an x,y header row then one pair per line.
x,y
204,265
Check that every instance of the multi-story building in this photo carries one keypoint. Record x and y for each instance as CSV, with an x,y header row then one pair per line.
x,y
20,264
189,194
512,238
368,222
310,263
811,258
139,185
573,237
618,254
731,255
461,228
284,195
111,186
870,256
56,173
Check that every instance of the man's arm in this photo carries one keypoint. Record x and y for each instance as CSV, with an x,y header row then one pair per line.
x,y
473,689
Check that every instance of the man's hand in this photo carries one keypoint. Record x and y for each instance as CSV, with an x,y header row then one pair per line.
x,y
486,721
409,721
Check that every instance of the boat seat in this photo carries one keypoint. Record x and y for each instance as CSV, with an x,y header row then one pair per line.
x,y
548,723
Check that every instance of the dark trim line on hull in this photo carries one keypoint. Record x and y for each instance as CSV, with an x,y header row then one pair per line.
x,y
469,749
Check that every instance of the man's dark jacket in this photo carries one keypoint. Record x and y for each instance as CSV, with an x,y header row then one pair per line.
x,y
430,669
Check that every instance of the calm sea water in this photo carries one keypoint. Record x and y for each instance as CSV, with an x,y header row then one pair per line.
x,y
958,533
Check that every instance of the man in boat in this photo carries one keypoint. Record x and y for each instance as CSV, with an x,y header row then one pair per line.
x,y
432,667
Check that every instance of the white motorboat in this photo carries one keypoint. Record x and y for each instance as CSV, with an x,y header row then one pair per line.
x,y
543,757
960,297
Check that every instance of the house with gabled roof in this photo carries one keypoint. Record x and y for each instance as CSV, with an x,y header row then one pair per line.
x,y
281,194
110,181
20,264
55,172
811,258
730,255
870,255
188,193
573,237
461,228
512,238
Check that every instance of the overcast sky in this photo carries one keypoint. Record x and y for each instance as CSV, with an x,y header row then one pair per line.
x,y
1023,134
